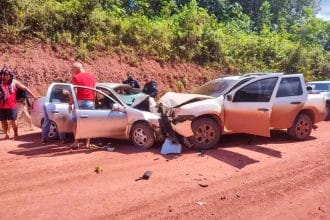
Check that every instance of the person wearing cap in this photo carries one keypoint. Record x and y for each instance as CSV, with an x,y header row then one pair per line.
x,y
131,81
85,97
8,106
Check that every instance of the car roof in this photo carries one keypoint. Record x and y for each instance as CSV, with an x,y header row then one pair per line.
x,y
246,75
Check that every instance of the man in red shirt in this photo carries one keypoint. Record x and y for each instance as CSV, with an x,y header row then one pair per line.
x,y
82,78
85,96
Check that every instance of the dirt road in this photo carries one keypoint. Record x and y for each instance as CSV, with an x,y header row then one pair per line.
x,y
269,179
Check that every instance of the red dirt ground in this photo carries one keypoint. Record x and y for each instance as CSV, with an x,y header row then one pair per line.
x,y
272,178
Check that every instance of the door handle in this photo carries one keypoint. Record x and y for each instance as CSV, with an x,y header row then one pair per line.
x,y
295,103
263,109
55,111
83,116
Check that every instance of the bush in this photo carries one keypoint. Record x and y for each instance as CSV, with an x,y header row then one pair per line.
x,y
170,30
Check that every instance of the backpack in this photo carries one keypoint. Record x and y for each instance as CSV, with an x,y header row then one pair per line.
x,y
151,88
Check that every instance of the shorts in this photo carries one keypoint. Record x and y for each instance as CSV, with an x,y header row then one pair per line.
x,y
86,104
8,114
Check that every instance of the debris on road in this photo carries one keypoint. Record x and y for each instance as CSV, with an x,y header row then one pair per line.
x,y
223,197
98,169
145,176
203,185
201,153
170,147
157,158
201,203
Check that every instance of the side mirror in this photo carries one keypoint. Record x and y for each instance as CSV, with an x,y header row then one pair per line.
x,y
309,88
229,97
118,108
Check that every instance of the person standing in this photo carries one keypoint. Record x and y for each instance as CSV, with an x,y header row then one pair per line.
x,y
85,97
8,106
23,105
132,81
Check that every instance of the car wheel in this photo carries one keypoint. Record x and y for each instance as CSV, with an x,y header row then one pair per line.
x,y
53,131
301,128
142,135
206,132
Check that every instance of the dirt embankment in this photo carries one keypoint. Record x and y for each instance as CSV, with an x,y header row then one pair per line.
x,y
39,64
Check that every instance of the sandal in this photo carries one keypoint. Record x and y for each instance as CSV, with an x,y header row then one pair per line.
x,y
92,146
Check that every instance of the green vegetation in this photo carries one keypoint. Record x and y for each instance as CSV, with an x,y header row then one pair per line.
x,y
249,35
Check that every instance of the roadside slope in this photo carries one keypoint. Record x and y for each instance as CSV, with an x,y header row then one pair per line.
x,y
39,64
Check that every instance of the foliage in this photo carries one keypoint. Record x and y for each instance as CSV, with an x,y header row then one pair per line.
x,y
251,35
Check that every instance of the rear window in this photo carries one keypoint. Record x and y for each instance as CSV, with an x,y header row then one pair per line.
x,y
290,86
59,94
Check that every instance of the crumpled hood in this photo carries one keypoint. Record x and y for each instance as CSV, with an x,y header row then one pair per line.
x,y
174,99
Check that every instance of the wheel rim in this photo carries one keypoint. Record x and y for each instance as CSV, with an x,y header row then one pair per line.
x,y
205,134
303,128
140,136
52,130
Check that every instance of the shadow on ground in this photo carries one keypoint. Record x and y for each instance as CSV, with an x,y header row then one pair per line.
x,y
32,147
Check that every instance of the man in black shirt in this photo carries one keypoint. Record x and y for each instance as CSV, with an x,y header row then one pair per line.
x,y
131,81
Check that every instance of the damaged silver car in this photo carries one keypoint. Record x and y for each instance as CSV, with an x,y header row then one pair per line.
x,y
111,118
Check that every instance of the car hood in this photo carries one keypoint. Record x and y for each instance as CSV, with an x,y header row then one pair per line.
x,y
174,99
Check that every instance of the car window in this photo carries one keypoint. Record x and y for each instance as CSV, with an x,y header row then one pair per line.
x,y
258,91
240,83
320,86
103,102
290,86
109,93
60,94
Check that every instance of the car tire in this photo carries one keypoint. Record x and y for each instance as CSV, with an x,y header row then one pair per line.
x,y
206,133
142,135
301,128
53,131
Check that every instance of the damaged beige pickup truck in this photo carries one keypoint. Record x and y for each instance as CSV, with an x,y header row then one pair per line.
x,y
251,104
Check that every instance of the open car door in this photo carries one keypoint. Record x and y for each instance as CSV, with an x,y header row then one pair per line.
x,y
57,105
248,108
102,121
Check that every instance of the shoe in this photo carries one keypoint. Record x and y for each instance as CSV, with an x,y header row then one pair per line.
x,y
44,141
15,137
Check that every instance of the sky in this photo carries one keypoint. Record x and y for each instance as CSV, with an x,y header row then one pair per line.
x,y
325,10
